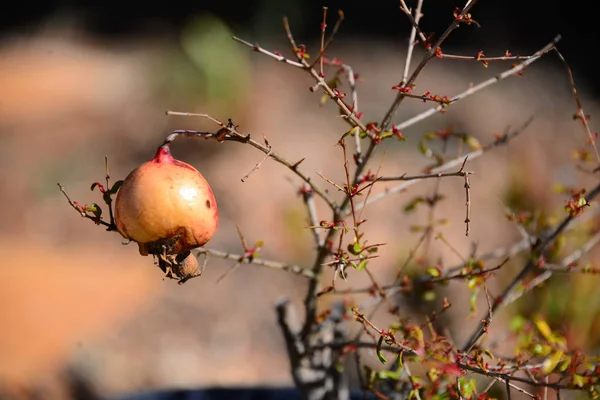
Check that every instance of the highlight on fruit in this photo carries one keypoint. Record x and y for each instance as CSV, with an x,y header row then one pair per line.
x,y
165,206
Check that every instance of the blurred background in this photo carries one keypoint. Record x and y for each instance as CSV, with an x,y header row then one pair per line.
x,y
79,81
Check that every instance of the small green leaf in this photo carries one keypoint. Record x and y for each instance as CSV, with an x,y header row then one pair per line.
x,y
473,300
353,131
115,188
424,149
400,359
551,362
355,248
379,353
543,328
386,134
578,380
94,209
385,374
412,205
472,142
362,265
517,323
434,272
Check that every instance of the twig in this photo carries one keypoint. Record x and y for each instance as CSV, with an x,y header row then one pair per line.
x,y
517,388
230,132
467,199
405,177
472,90
413,33
83,213
428,56
322,52
257,166
109,204
309,201
567,261
450,164
349,114
476,58
276,56
580,114
543,241
307,273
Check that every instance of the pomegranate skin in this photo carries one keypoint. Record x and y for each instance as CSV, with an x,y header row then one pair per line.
x,y
166,206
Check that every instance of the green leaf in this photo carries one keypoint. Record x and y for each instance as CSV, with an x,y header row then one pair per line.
x,y
412,205
386,134
94,209
353,131
379,353
551,362
543,328
517,323
424,149
467,387
472,142
115,188
400,359
385,374
355,248
473,300
414,394
362,265
434,272
578,380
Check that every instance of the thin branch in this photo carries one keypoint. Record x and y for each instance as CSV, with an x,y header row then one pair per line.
x,y
580,114
405,177
257,261
428,56
257,166
349,114
81,211
309,201
544,240
467,200
276,56
488,59
230,132
565,265
414,20
472,90
450,164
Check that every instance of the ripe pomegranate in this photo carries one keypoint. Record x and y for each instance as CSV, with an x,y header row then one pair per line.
x,y
166,206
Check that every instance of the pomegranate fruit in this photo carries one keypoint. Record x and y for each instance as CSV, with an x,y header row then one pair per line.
x,y
166,206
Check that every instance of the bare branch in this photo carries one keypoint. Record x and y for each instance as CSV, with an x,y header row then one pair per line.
x,y
230,132
428,56
472,90
543,241
449,164
413,33
405,177
257,261
580,114
276,56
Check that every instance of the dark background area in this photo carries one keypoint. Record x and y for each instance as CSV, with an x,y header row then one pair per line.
x,y
523,25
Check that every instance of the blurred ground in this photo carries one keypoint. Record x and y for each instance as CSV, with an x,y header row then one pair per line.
x,y
73,296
